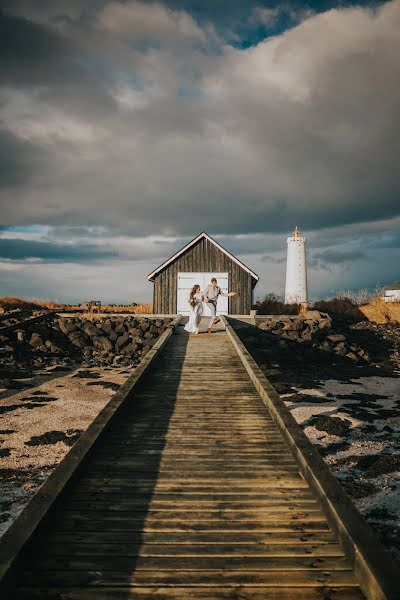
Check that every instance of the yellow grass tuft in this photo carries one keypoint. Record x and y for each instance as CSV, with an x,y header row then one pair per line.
x,y
142,308
380,311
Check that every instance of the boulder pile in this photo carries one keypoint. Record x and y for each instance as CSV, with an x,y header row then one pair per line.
x,y
315,330
113,341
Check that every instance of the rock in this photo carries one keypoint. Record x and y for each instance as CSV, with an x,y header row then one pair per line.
x,y
122,340
378,464
118,359
120,328
91,330
340,349
135,331
105,343
359,489
145,326
336,338
36,340
314,315
323,323
106,327
332,425
113,336
66,326
129,348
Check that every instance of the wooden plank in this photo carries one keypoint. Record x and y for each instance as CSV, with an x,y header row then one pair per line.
x,y
208,577
82,547
188,538
227,592
175,564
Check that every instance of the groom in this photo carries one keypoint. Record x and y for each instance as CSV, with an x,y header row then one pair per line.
x,y
211,297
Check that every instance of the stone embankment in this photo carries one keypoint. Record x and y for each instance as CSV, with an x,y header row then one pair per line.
x,y
313,330
113,341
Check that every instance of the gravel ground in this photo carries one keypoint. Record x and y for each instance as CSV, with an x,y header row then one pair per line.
x,y
356,427
39,425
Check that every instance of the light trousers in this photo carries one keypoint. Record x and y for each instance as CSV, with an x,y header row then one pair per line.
x,y
213,309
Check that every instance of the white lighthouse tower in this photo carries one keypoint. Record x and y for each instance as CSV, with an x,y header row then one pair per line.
x,y
296,270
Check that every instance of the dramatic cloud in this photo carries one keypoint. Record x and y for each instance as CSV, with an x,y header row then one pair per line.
x,y
157,120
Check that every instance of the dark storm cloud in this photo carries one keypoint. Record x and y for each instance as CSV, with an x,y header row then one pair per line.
x,y
32,54
19,249
19,161
168,118
335,257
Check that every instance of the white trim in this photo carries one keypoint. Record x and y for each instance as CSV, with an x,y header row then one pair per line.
x,y
189,245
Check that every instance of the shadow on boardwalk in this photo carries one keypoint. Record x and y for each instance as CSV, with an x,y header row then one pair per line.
x,y
93,538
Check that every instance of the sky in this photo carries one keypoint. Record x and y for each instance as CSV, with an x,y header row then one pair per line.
x,y
128,127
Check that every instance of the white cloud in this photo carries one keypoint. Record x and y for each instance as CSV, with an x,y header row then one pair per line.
x,y
155,23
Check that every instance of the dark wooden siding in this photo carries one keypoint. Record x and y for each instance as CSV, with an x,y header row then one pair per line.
x,y
203,257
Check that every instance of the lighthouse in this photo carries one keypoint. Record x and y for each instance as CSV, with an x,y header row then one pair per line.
x,y
296,269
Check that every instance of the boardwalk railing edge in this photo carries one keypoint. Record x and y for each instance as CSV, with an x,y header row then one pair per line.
x,y
21,530
376,571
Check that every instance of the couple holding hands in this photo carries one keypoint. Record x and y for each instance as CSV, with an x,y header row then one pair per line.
x,y
196,299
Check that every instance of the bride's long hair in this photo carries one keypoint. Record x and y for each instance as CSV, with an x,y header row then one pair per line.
x,y
193,291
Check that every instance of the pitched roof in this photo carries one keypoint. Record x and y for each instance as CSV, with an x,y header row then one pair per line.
x,y
204,235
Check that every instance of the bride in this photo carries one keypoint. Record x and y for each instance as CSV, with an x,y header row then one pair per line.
x,y
196,299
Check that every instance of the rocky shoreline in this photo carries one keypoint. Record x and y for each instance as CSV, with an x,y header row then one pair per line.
x,y
113,341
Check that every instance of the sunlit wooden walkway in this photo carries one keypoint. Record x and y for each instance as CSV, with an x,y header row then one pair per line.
x,y
192,493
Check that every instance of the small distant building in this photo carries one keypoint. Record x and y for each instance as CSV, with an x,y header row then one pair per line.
x,y
392,292
196,263
296,289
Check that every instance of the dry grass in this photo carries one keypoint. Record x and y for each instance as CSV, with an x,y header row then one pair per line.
x,y
15,302
50,304
361,305
380,311
139,309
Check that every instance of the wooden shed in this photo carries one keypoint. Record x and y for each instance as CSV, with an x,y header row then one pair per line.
x,y
197,262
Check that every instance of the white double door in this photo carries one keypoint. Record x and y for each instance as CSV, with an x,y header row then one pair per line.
x,y
187,280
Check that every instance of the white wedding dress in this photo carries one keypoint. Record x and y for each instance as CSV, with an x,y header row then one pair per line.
x,y
196,312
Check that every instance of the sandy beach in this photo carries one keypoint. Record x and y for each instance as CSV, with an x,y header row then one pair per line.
x,y
39,424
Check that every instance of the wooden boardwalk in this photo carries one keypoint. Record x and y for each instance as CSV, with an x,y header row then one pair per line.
x,y
191,493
